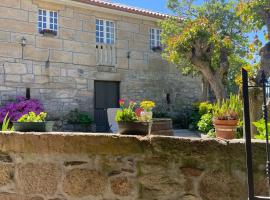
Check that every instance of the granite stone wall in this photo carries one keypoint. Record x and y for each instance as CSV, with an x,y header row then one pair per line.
x,y
60,166
61,70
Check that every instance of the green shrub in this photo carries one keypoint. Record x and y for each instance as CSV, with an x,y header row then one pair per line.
x,y
205,107
205,124
33,117
260,125
79,117
198,110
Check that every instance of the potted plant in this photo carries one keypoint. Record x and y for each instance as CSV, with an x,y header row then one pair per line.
x,y
32,122
131,122
226,115
157,49
79,121
146,113
48,32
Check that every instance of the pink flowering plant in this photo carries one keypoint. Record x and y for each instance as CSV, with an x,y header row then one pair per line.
x,y
126,114
20,107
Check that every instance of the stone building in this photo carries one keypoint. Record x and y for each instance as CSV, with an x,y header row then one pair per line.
x,y
87,54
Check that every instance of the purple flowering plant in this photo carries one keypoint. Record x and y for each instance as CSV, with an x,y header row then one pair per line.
x,y
20,107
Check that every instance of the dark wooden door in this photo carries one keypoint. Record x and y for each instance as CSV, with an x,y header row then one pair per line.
x,y
106,96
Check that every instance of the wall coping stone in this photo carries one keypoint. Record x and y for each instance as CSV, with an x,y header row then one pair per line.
x,y
112,144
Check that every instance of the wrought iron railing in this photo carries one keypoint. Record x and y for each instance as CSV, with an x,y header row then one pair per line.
x,y
264,84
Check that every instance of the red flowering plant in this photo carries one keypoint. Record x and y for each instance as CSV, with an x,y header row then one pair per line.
x,y
127,113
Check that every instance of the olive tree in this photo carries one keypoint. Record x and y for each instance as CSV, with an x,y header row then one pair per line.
x,y
205,39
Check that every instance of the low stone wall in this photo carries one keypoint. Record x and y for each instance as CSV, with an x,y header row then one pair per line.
x,y
77,166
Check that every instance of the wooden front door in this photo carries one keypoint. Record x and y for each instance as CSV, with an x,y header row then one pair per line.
x,y
106,96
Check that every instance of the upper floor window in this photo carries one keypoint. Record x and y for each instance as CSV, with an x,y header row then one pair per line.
x,y
155,39
47,21
105,31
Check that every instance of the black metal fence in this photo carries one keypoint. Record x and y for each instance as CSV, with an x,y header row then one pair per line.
x,y
265,85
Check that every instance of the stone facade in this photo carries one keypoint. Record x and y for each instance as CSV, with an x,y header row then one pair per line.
x,y
63,166
61,70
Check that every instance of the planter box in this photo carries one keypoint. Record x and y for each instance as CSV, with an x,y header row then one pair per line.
x,y
162,126
33,126
134,128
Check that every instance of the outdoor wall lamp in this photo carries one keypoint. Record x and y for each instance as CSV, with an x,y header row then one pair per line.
x,y
128,54
23,42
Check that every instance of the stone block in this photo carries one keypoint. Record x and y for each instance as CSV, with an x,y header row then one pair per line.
x,y
10,3
4,36
15,68
28,78
121,186
28,5
12,50
68,12
106,15
84,182
79,47
85,37
70,23
47,42
122,63
11,13
14,26
36,54
67,34
6,174
61,56
89,26
84,59
38,178
49,6
135,28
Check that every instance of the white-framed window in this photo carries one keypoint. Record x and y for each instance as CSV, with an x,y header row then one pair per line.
x,y
155,38
47,20
105,31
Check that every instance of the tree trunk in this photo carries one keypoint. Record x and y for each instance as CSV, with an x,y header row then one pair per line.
x,y
205,89
215,81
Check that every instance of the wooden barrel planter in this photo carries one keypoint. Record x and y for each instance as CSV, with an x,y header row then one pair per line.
x,y
162,126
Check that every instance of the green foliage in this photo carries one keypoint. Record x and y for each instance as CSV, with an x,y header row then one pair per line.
x,y
199,109
6,124
205,124
260,125
229,109
205,107
32,117
252,12
126,114
79,117
211,133
214,24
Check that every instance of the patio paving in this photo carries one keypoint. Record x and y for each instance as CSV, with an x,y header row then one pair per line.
x,y
186,133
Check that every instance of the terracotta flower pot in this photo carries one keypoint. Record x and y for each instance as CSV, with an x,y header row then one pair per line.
x,y
225,129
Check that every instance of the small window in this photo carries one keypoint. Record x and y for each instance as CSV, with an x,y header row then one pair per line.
x,y
47,21
155,39
105,31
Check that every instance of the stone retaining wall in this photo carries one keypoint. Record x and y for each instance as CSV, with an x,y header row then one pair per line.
x,y
109,167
